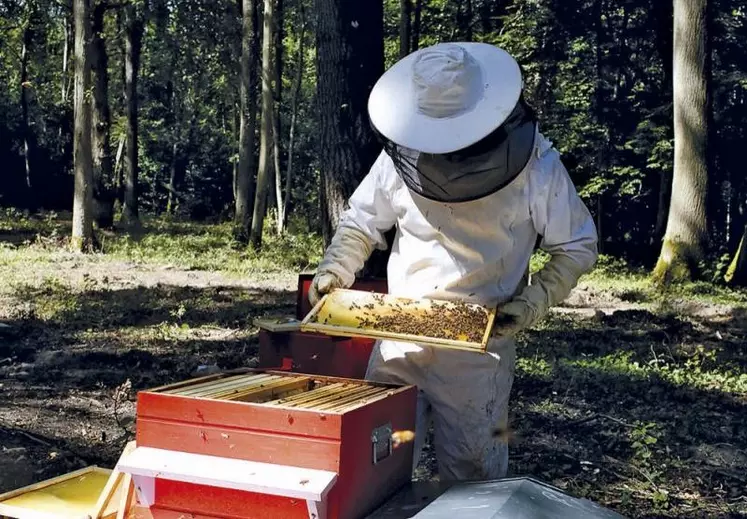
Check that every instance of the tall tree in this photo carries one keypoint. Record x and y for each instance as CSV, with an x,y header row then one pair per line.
x,y
64,80
405,27
687,227
277,113
416,25
349,61
297,82
133,45
100,141
26,86
82,204
244,181
265,136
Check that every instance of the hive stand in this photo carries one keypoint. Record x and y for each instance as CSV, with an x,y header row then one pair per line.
x,y
146,464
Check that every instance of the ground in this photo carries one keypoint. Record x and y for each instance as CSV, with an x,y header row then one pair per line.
x,y
634,400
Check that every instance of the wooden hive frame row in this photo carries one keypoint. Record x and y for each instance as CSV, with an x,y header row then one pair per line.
x,y
278,390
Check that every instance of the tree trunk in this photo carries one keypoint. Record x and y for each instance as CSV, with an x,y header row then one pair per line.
x,y
82,238
736,275
244,181
102,160
598,105
118,166
133,43
405,26
687,226
469,15
416,25
276,117
265,138
350,59
26,133
172,198
65,59
294,109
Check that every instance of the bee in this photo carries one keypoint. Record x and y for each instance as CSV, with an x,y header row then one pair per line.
x,y
401,437
503,434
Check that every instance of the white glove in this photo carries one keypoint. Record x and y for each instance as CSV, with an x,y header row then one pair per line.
x,y
548,287
512,318
345,256
323,283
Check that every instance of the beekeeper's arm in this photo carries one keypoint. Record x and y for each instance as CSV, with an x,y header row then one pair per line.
x,y
361,229
568,235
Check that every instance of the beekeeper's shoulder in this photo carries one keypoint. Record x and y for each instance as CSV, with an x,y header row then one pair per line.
x,y
545,166
383,172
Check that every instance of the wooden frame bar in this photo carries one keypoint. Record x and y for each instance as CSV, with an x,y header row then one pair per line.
x,y
209,387
272,390
304,397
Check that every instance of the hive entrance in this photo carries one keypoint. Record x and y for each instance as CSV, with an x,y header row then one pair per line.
x,y
271,389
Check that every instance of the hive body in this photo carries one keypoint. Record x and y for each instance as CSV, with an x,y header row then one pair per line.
x,y
333,428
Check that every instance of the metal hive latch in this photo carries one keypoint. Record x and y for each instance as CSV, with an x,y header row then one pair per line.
x,y
381,441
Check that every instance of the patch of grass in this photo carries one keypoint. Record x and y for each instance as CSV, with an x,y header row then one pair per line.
x,y
187,245
635,285
213,247
50,300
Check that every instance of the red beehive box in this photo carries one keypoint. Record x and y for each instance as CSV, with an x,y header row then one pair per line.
x,y
253,444
317,353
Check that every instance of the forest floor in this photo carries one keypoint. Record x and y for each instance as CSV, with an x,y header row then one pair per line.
x,y
625,396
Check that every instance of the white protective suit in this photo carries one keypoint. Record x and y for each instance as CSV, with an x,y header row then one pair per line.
x,y
475,251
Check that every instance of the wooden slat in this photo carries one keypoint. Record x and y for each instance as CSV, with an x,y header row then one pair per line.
x,y
309,395
371,398
357,397
170,388
334,397
191,390
271,391
237,415
228,394
125,500
229,389
111,485
227,382
321,396
238,384
249,476
252,445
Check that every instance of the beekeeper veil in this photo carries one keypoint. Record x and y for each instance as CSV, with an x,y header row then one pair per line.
x,y
453,120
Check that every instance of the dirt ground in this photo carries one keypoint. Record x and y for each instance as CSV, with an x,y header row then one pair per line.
x,y
80,336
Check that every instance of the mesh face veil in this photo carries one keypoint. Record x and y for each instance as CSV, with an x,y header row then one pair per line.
x,y
474,172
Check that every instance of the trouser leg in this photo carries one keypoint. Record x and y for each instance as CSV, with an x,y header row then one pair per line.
x,y
469,395
403,370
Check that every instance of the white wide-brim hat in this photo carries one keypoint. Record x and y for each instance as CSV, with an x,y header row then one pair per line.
x,y
446,97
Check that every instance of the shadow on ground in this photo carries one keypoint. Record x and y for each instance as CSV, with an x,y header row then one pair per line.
x,y
632,410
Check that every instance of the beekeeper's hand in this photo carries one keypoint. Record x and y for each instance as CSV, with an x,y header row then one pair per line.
x,y
548,287
345,256
323,283
511,318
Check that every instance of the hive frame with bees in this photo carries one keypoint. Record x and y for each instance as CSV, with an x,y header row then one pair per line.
x,y
446,324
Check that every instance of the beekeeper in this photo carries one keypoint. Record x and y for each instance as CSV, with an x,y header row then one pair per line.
x,y
470,184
